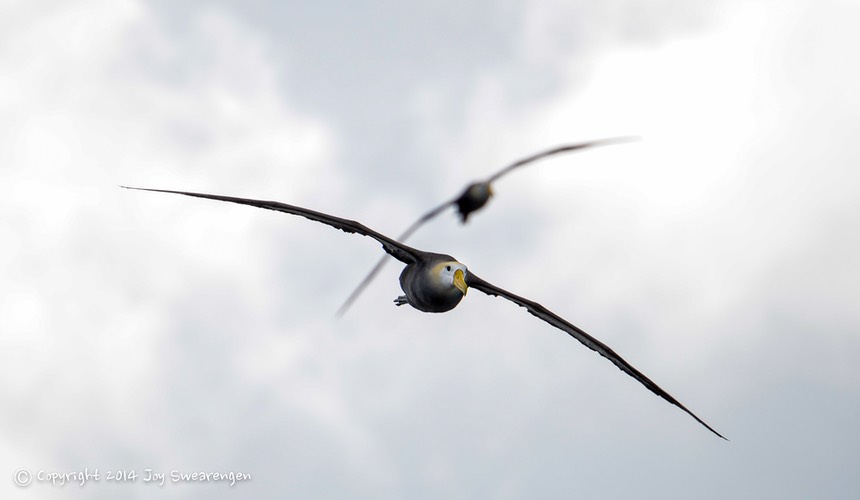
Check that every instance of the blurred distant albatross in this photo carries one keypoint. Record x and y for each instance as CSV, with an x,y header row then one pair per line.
x,y
433,282
472,199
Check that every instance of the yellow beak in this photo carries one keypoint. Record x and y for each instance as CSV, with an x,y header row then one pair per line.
x,y
460,281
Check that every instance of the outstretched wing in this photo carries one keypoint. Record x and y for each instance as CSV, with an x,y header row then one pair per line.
x,y
399,251
592,343
557,150
373,272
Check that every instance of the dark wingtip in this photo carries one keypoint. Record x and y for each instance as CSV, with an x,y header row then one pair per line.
x,y
342,310
718,434
679,405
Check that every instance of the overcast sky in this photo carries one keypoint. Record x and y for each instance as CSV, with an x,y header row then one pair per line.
x,y
720,254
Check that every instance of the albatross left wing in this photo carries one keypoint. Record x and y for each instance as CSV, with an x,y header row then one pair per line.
x,y
592,343
398,250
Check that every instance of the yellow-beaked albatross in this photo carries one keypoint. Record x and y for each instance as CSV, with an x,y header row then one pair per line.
x,y
435,282
472,199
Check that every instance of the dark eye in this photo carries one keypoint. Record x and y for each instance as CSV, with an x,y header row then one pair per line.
x,y
447,268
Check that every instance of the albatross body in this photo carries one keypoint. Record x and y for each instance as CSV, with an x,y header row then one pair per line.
x,y
473,198
437,283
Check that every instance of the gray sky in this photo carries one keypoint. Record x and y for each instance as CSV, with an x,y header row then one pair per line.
x,y
719,255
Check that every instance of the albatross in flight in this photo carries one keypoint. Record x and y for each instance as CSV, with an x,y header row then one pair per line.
x,y
472,199
433,282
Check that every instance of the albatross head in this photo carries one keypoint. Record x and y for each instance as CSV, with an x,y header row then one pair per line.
x,y
451,274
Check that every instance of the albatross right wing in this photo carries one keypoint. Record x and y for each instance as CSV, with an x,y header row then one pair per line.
x,y
587,340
